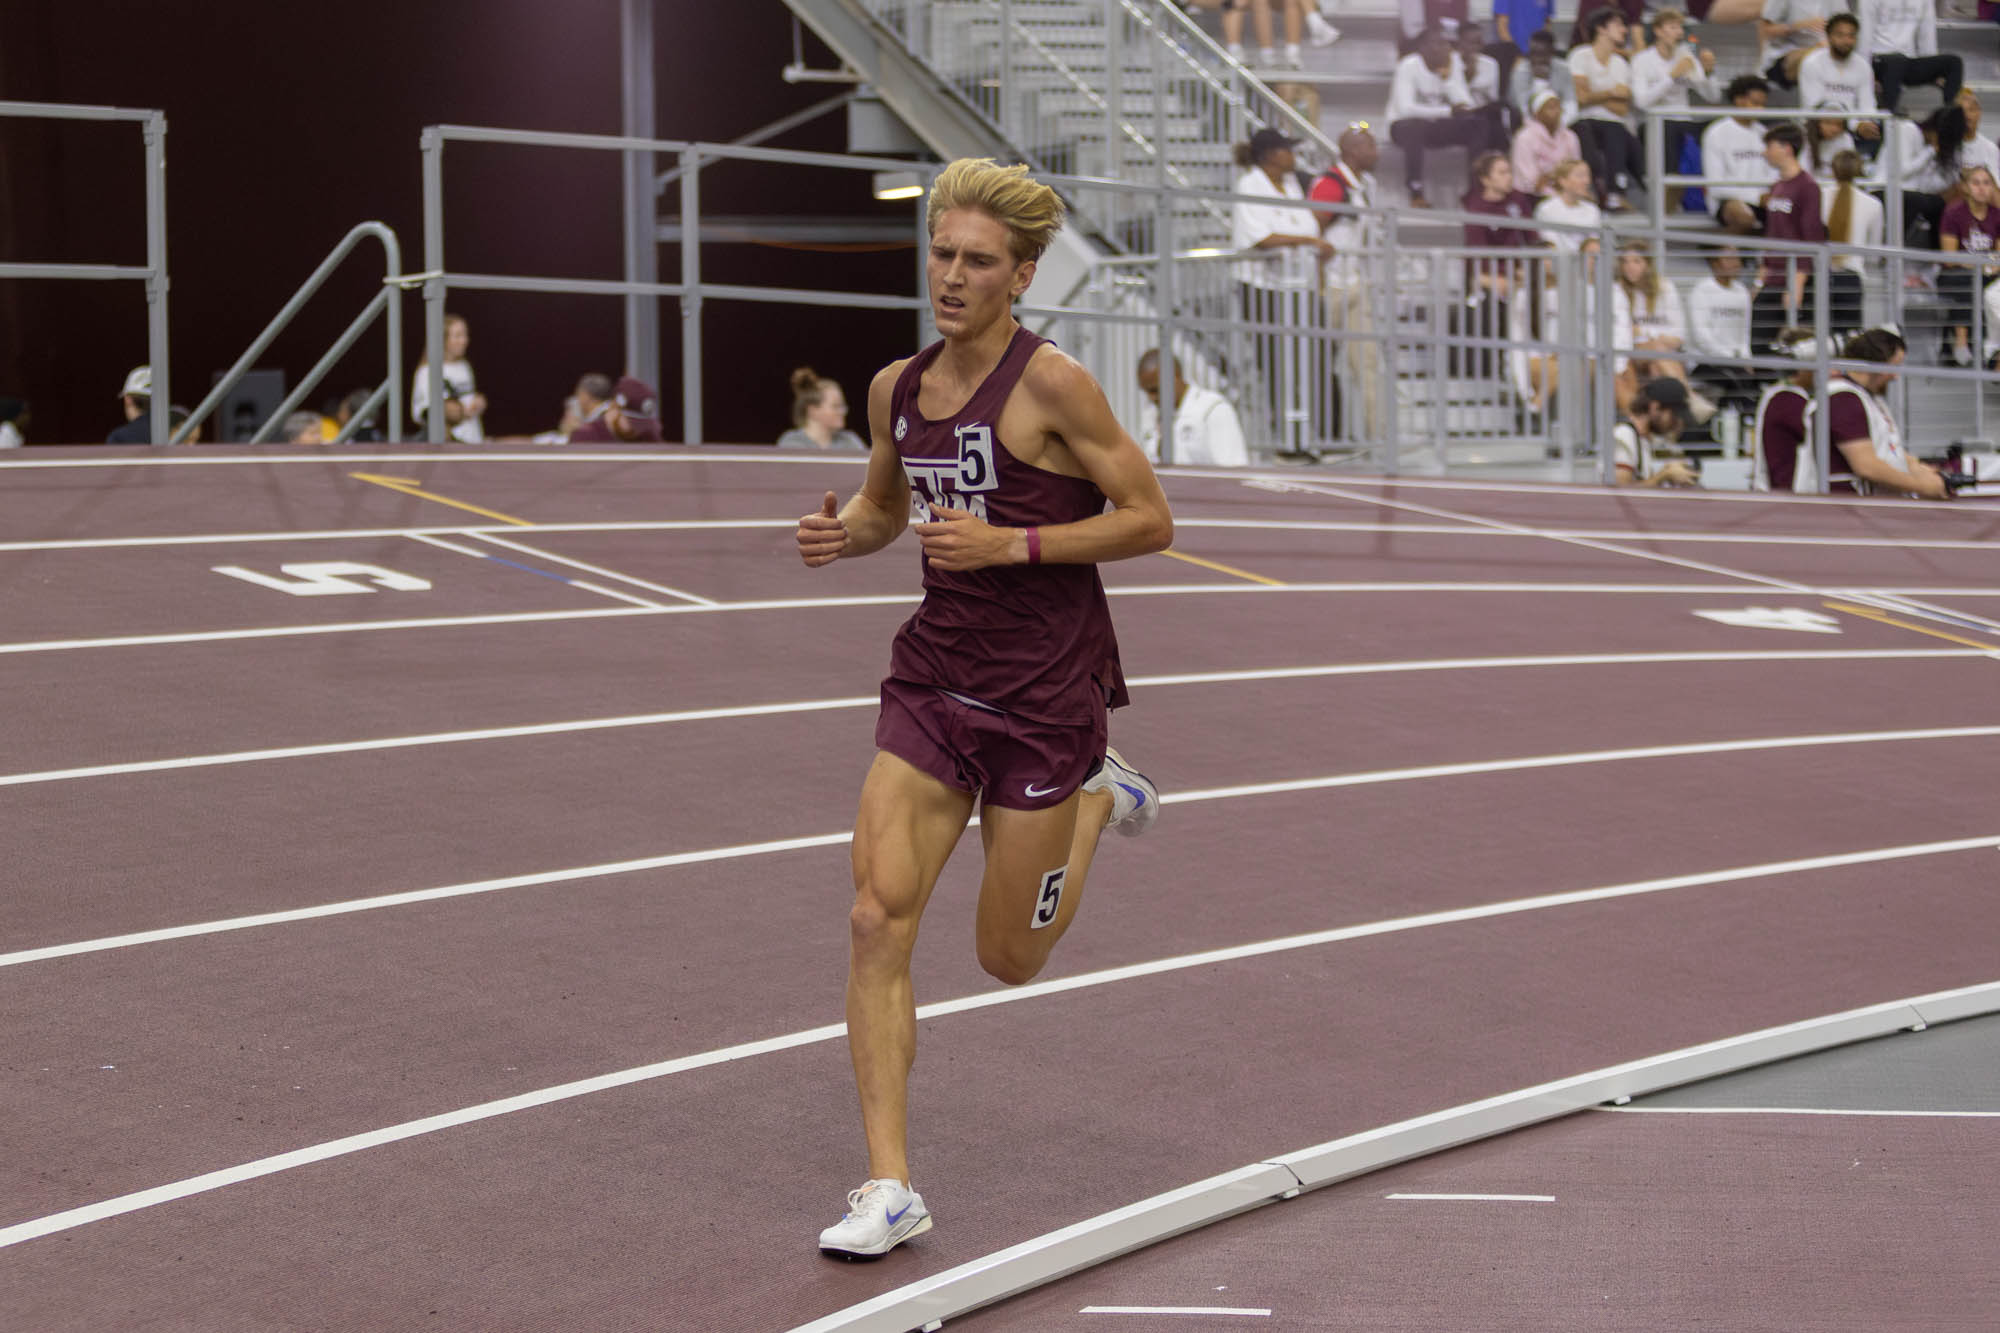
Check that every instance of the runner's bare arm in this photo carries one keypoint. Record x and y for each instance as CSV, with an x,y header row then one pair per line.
x,y
1067,403
880,510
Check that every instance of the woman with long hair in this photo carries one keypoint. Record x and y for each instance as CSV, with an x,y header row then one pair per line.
x,y
1853,217
1931,153
464,405
1972,224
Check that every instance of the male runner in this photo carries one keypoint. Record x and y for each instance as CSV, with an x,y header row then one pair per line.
x,y
1004,451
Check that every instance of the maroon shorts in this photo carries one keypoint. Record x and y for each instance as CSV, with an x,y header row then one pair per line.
x,y
1017,762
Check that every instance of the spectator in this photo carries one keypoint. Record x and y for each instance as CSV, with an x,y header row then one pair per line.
x,y
1732,149
303,428
13,423
1853,217
819,415
367,432
1571,203
1649,319
1632,12
1354,237
624,413
1278,287
1482,71
1978,150
1867,453
1543,70
1933,154
1296,13
1543,144
1791,214
1431,107
1207,432
1518,21
1826,139
137,399
1787,31
1782,459
1971,224
464,405
1833,78
1640,442
1718,310
1603,78
1491,281
1899,39
1662,76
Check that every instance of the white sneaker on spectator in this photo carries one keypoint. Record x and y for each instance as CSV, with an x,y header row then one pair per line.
x,y
881,1215
1294,57
1318,31
1235,51
1266,58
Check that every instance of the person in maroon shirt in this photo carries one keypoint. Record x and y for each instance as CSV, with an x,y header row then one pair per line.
x,y
1781,416
1864,442
998,686
1490,281
1791,213
1971,223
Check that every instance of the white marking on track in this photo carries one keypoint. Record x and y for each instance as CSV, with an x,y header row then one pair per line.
x,y
858,701
354,1143
599,570
1796,1110
1476,1198
1223,1310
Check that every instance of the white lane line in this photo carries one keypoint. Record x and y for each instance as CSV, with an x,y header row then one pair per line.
x,y
612,593
599,570
586,586
858,701
1477,1198
1560,490
1795,1110
759,455
1223,1310
989,999
429,540
213,1180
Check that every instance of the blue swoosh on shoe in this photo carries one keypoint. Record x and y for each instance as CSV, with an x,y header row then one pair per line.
x,y
897,1216
1137,794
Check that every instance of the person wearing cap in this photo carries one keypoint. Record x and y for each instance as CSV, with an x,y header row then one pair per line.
x,y
1278,281
615,414
1658,414
136,397
1865,446
1430,106
819,415
1542,144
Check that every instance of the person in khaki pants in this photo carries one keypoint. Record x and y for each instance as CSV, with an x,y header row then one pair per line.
x,y
1349,294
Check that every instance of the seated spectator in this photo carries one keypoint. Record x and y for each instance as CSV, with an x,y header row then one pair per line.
x,y
1543,70
1431,107
1971,224
367,432
1853,217
464,405
1833,78
1543,144
13,423
1640,443
303,428
137,399
1482,71
1718,319
1932,153
624,413
1649,319
1782,459
1788,31
1732,149
1571,203
819,415
1631,12
1662,76
1490,281
1207,431
1603,78
1826,139
1866,445
1977,150
1899,39
1791,214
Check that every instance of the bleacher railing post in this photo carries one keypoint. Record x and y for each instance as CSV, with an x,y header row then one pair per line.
x,y
1603,335
157,352
1385,327
434,283
691,296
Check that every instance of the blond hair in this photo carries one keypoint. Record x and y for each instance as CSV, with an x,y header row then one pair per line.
x,y
1031,212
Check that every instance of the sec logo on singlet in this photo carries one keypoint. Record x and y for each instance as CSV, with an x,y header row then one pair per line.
x,y
902,427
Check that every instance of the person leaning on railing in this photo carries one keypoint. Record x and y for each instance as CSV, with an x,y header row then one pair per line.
x,y
1356,239
1278,288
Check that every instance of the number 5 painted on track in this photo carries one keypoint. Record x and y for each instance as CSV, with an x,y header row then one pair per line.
x,y
328,578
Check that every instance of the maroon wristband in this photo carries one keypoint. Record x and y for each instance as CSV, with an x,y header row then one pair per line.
x,y
1034,546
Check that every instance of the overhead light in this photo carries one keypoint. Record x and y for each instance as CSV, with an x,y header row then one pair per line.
x,y
898,185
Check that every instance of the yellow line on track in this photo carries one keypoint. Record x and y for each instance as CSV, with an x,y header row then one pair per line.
x,y
1870,613
1220,568
408,487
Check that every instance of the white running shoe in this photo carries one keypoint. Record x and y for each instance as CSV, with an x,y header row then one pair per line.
x,y
1294,57
1318,31
1135,801
881,1215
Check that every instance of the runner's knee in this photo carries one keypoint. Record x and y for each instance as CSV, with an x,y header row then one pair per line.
x,y
1011,962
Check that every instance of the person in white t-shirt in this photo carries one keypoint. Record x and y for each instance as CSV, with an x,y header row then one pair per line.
x,y
1207,432
1571,203
1430,106
1854,216
1732,149
1788,30
1279,281
1662,76
1718,325
1977,150
464,405
1638,443
1647,310
1482,72
1899,39
1834,77
1604,121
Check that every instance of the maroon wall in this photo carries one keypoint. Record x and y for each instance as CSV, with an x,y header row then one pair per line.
x,y
289,124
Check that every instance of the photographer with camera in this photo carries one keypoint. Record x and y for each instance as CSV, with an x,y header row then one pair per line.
x,y
1656,418
1868,457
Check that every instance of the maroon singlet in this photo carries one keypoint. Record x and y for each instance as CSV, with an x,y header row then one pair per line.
x,y
1031,639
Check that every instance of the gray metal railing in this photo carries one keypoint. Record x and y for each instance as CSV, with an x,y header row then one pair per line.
x,y
1420,387
386,302
153,127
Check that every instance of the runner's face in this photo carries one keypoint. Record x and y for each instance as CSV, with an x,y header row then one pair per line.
x,y
973,276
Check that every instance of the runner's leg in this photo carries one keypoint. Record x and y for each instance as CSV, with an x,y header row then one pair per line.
x,y
908,824
1022,912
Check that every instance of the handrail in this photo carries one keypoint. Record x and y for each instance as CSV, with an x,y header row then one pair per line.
x,y
153,128
384,300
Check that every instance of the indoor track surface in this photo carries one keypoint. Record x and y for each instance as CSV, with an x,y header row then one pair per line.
x,y
427,892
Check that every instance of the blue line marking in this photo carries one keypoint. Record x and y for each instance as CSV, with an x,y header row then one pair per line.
x,y
529,569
